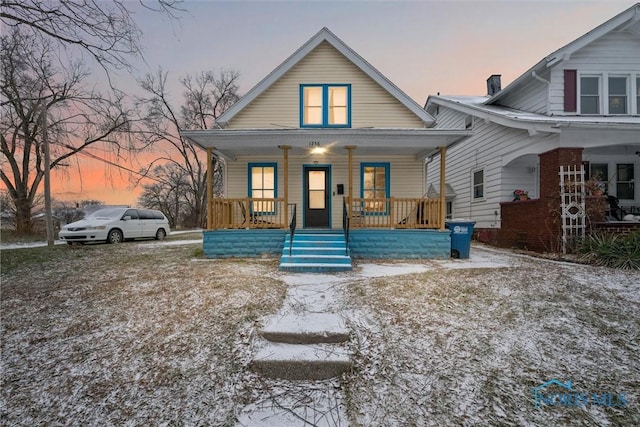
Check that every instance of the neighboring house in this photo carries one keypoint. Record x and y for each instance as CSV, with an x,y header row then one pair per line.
x,y
323,138
580,103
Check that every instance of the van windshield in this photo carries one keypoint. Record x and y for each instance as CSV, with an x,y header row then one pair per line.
x,y
114,213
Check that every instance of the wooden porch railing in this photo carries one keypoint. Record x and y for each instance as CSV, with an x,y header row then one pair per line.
x,y
249,213
394,213
362,213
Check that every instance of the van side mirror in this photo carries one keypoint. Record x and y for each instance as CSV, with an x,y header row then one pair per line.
x,y
126,217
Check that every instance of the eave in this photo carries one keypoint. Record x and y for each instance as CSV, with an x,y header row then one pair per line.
x,y
233,144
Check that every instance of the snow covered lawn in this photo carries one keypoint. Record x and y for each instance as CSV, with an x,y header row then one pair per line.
x,y
147,333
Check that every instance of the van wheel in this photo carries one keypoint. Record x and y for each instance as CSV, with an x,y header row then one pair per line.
x,y
114,236
161,234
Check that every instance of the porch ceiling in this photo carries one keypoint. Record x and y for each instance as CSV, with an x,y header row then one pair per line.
x,y
232,144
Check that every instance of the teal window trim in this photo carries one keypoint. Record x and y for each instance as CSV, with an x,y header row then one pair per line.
x,y
325,105
387,185
250,167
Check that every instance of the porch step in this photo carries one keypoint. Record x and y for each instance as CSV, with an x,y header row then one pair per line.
x,y
310,328
315,252
300,362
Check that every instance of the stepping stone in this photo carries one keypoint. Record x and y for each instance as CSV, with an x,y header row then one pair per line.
x,y
309,328
301,362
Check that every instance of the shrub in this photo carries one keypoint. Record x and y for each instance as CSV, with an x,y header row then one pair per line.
x,y
612,250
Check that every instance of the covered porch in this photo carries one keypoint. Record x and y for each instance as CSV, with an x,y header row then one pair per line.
x,y
339,154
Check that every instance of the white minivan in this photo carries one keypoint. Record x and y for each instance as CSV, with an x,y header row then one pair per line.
x,y
113,225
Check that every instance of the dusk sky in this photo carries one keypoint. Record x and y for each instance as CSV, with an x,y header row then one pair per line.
x,y
424,47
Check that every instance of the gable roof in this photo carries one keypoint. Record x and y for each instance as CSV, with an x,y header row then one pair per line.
x,y
324,35
628,20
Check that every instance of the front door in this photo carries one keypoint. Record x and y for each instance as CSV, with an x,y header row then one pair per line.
x,y
316,196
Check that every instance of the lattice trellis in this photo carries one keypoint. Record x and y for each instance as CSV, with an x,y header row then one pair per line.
x,y
572,205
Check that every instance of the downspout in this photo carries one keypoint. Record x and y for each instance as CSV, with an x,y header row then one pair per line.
x,y
548,83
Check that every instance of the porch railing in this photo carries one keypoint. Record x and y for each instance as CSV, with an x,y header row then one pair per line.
x,y
249,212
394,213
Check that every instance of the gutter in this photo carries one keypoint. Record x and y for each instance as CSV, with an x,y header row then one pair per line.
x,y
546,82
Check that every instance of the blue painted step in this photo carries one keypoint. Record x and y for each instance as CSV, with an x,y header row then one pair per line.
x,y
316,252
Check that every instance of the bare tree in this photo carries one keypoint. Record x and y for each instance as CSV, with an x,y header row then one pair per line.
x,y
104,29
78,117
206,96
167,193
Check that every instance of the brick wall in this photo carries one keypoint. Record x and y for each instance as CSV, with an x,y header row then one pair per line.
x,y
535,224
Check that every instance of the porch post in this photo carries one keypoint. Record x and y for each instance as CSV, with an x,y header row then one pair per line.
x,y
350,149
209,188
285,176
443,187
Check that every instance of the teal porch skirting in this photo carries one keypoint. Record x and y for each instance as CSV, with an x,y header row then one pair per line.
x,y
364,243
400,244
242,243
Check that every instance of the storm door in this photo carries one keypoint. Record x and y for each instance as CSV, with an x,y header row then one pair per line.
x,y
316,196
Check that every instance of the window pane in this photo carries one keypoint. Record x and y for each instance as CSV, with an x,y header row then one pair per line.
x,y
256,177
369,177
617,86
625,181
478,184
269,178
589,86
312,105
316,199
316,180
589,105
337,105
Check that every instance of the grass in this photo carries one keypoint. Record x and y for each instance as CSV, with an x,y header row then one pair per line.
x,y
102,334
145,333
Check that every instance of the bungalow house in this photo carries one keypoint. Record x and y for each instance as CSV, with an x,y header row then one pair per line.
x,y
579,109
326,143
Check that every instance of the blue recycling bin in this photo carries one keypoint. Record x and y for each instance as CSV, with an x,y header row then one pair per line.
x,y
461,233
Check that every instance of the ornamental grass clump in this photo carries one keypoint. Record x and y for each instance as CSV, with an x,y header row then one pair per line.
x,y
612,250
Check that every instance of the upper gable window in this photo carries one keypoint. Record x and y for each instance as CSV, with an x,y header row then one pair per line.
x,y
618,95
324,105
590,95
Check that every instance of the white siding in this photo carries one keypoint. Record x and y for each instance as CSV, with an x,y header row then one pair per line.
x,y
616,53
406,175
484,150
279,105
450,119
531,96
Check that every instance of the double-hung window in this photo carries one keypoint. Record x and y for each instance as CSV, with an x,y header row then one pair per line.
x,y
625,181
590,95
374,178
477,184
618,95
325,105
263,185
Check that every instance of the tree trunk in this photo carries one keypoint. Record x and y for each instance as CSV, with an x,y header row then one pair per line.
x,y
24,225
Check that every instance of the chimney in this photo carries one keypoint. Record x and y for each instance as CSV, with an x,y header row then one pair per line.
x,y
493,84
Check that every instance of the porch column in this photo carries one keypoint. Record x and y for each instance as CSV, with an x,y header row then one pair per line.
x,y
285,176
209,188
350,149
443,187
